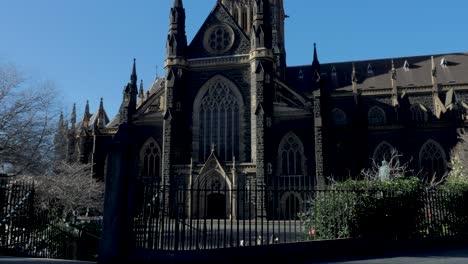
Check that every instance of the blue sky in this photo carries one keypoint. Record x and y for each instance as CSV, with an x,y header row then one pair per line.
x,y
87,46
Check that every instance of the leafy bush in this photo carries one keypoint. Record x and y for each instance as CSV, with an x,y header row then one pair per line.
x,y
384,209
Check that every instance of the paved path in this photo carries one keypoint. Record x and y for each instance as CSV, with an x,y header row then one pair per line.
x,y
16,260
458,256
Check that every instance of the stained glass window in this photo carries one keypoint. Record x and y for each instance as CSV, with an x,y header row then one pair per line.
x,y
219,121
150,156
383,152
417,114
376,116
339,117
432,159
291,153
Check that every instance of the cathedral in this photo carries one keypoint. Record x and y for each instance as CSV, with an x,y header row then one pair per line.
x,y
230,114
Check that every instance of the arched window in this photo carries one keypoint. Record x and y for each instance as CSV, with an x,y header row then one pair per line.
x,y
432,159
245,12
383,152
217,116
339,117
418,114
376,116
291,156
150,161
235,13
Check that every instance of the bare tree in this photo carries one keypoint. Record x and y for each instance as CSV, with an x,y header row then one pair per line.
x,y
395,168
27,128
69,192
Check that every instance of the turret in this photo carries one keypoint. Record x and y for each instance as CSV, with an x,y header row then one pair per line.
x,y
176,38
262,78
277,18
261,31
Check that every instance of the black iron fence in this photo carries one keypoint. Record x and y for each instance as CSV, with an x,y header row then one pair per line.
x,y
197,219
27,231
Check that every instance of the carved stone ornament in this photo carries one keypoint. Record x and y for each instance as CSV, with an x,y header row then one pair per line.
x,y
218,39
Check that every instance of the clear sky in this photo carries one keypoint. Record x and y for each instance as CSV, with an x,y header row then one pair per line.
x,y
87,46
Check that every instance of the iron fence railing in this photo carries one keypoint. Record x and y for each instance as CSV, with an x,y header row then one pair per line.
x,y
211,218
27,231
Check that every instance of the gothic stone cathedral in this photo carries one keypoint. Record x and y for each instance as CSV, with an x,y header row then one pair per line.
x,y
230,114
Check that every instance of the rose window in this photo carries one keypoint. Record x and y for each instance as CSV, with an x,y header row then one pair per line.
x,y
219,39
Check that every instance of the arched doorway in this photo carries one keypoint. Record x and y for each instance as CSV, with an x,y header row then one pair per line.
x,y
212,196
216,206
290,206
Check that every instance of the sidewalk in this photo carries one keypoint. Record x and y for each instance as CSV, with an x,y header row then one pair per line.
x,y
5,260
449,256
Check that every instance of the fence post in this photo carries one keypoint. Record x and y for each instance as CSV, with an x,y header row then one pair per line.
x,y
117,226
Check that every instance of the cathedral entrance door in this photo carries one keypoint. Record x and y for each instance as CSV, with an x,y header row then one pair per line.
x,y
216,208
291,207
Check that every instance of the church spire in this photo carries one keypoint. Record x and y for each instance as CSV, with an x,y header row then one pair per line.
x,y
61,122
316,66
134,76
129,97
87,113
141,93
86,116
60,140
73,118
101,118
178,4
315,62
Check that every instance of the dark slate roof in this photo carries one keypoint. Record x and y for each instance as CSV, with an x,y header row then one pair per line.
x,y
375,74
115,122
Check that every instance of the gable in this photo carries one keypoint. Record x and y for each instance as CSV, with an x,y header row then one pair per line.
x,y
220,35
288,96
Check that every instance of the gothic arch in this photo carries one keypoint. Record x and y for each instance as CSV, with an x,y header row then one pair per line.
x,y
376,116
382,152
418,115
245,18
150,161
218,118
339,117
291,158
432,159
290,205
212,184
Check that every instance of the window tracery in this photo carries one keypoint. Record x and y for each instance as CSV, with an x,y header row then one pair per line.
x,y
291,156
219,113
432,159
150,160
383,152
376,116
417,114
339,117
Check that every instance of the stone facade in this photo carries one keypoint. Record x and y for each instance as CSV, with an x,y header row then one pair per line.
x,y
230,114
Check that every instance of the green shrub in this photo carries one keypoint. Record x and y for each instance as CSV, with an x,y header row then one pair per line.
x,y
384,209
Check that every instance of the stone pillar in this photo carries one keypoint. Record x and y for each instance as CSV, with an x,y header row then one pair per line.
x,y
116,239
319,143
